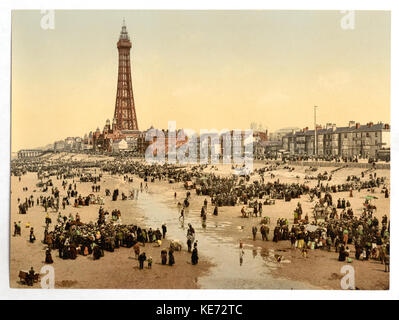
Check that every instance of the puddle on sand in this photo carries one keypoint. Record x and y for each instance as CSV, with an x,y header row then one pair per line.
x,y
228,272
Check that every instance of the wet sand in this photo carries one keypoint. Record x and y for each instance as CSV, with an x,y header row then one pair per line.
x,y
321,269
218,240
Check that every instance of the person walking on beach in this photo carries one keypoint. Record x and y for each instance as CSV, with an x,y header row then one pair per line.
x,y
293,240
181,214
171,257
136,249
31,277
264,230
32,237
254,231
189,242
48,259
164,229
17,229
216,211
142,258
194,255
164,255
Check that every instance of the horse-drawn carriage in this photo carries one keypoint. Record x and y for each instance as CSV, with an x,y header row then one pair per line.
x,y
269,201
86,178
188,185
368,205
24,277
42,184
321,213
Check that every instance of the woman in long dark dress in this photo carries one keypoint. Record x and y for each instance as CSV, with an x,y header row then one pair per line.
x,y
49,259
189,243
194,255
164,255
215,211
171,258
96,253
142,258
342,253
72,252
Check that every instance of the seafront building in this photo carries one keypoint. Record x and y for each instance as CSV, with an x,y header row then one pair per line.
x,y
354,140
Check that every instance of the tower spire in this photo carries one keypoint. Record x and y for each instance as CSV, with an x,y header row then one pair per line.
x,y
124,35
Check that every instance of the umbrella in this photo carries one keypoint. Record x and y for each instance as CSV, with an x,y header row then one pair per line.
x,y
370,197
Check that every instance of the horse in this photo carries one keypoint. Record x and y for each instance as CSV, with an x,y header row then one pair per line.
x,y
176,245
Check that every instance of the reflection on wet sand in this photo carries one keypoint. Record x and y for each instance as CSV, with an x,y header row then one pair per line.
x,y
226,273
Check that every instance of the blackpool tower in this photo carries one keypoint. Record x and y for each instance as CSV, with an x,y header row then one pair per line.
x,y
125,112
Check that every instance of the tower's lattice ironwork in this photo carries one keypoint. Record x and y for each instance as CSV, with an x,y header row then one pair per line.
x,y
125,112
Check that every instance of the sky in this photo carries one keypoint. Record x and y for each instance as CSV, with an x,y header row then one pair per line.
x,y
202,69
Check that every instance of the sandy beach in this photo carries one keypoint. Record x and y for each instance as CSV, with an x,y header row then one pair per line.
x,y
118,269
320,270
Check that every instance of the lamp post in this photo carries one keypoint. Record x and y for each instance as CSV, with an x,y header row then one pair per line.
x,y
315,132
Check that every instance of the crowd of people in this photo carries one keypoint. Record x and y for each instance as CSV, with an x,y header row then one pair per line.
x,y
368,237
72,238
